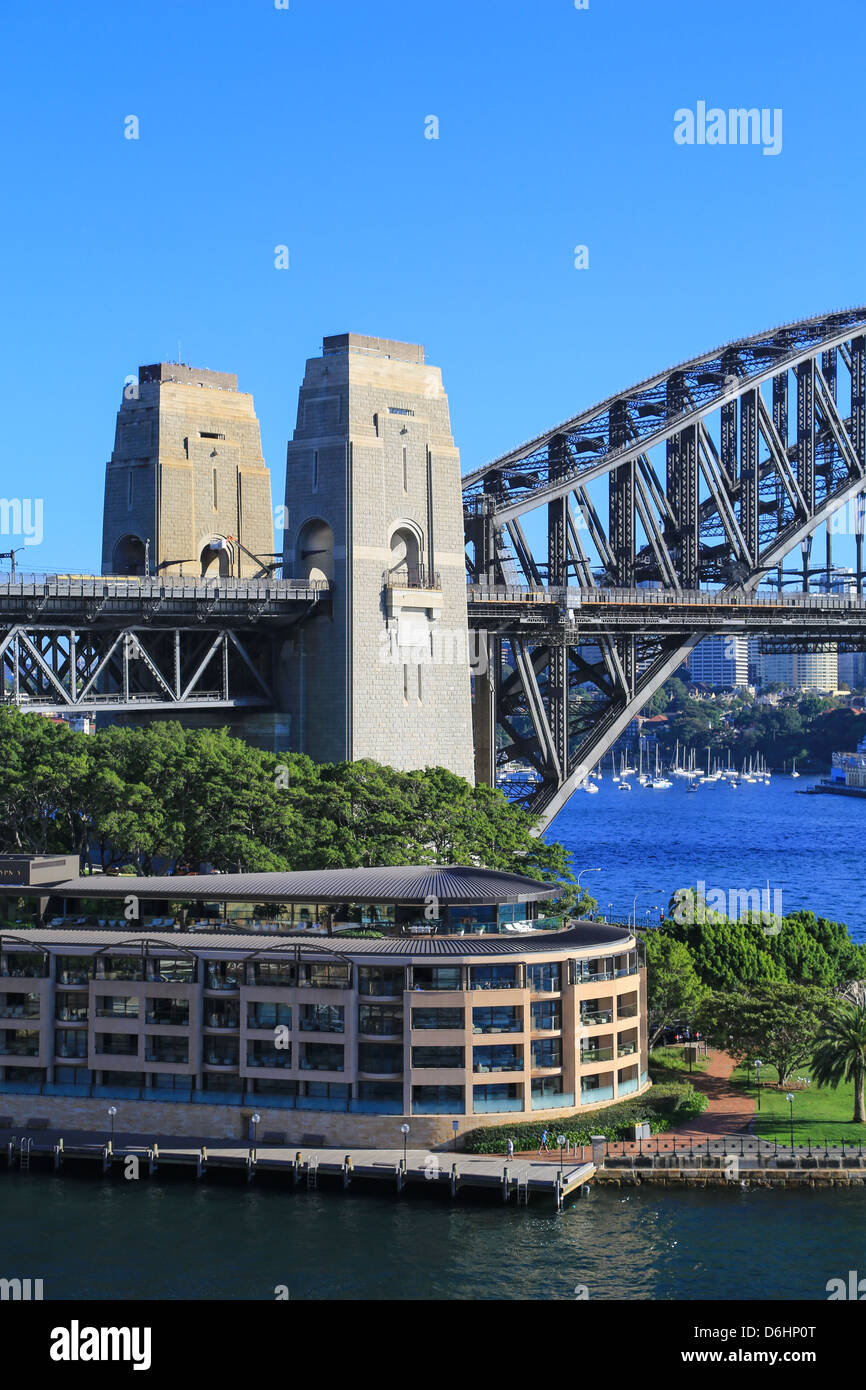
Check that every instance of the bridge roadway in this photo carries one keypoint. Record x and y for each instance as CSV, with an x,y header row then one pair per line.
x,y
570,616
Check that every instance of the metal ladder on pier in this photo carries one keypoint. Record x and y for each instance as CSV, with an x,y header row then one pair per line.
x,y
24,1147
313,1171
521,1185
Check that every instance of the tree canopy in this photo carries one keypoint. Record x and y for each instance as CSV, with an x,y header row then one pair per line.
x,y
171,795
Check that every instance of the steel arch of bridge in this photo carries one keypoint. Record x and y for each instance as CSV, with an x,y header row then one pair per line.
x,y
706,475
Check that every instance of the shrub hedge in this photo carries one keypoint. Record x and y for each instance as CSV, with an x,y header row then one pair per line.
x,y
663,1107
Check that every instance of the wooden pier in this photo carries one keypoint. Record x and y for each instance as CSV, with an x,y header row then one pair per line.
x,y
516,1181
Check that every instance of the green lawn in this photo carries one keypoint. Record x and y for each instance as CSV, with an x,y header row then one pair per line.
x,y
820,1114
669,1064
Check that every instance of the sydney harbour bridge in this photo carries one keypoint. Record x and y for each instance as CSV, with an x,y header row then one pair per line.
x,y
598,555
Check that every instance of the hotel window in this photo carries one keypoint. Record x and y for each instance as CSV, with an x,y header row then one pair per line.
x,y
382,981
507,1096
69,1042
438,1100
123,1080
172,971
19,1042
438,1018
382,1019
219,1013
272,972
213,1081
546,1086
264,1054
437,977
494,977
405,469
546,1015
497,1059
159,1049
174,1012
325,1090
382,1093
325,976
73,1076
71,1008
271,1085
116,1006
547,1052
321,1056
25,966
223,974
262,1015
502,1020
221,1052
73,970
385,1059
323,1018
169,1081
19,1006
117,1044
119,968
544,977
438,1057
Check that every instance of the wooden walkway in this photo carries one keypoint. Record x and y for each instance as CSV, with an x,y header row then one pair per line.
x,y
516,1181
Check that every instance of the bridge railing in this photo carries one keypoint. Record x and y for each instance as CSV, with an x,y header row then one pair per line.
x,y
131,586
698,598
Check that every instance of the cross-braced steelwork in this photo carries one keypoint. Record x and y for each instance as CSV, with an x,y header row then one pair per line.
x,y
707,475
88,644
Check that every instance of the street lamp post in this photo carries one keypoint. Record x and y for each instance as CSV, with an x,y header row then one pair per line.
x,y
112,1111
758,1065
790,1099
634,904
560,1139
404,1130
254,1121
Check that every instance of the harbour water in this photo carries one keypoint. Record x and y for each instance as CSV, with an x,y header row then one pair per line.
x,y
89,1239
650,843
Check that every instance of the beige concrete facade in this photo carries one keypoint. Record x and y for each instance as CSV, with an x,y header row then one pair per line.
x,y
521,1033
186,471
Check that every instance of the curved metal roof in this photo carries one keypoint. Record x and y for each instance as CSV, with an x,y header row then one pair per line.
x,y
581,937
397,884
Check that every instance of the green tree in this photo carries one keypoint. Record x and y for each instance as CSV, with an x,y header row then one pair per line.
x,y
674,991
778,1022
840,1053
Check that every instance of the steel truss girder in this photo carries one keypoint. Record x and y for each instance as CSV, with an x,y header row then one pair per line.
x,y
757,491
53,669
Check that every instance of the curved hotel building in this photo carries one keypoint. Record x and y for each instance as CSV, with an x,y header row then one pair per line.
x,y
192,1002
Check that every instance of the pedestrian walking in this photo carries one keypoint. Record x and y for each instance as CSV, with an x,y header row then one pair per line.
x,y
511,1148
542,1148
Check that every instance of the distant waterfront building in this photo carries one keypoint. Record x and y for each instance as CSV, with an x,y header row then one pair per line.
x,y
721,661
818,671
225,995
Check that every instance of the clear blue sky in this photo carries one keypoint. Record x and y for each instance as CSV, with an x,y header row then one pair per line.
x,y
305,126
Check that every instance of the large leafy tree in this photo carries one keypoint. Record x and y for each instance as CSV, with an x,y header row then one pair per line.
x,y
164,794
674,991
778,1022
840,1052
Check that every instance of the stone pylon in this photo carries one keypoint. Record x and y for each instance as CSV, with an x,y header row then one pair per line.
x,y
374,503
187,491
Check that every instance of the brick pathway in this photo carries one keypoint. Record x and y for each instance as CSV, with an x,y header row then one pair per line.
x,y
729,1111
